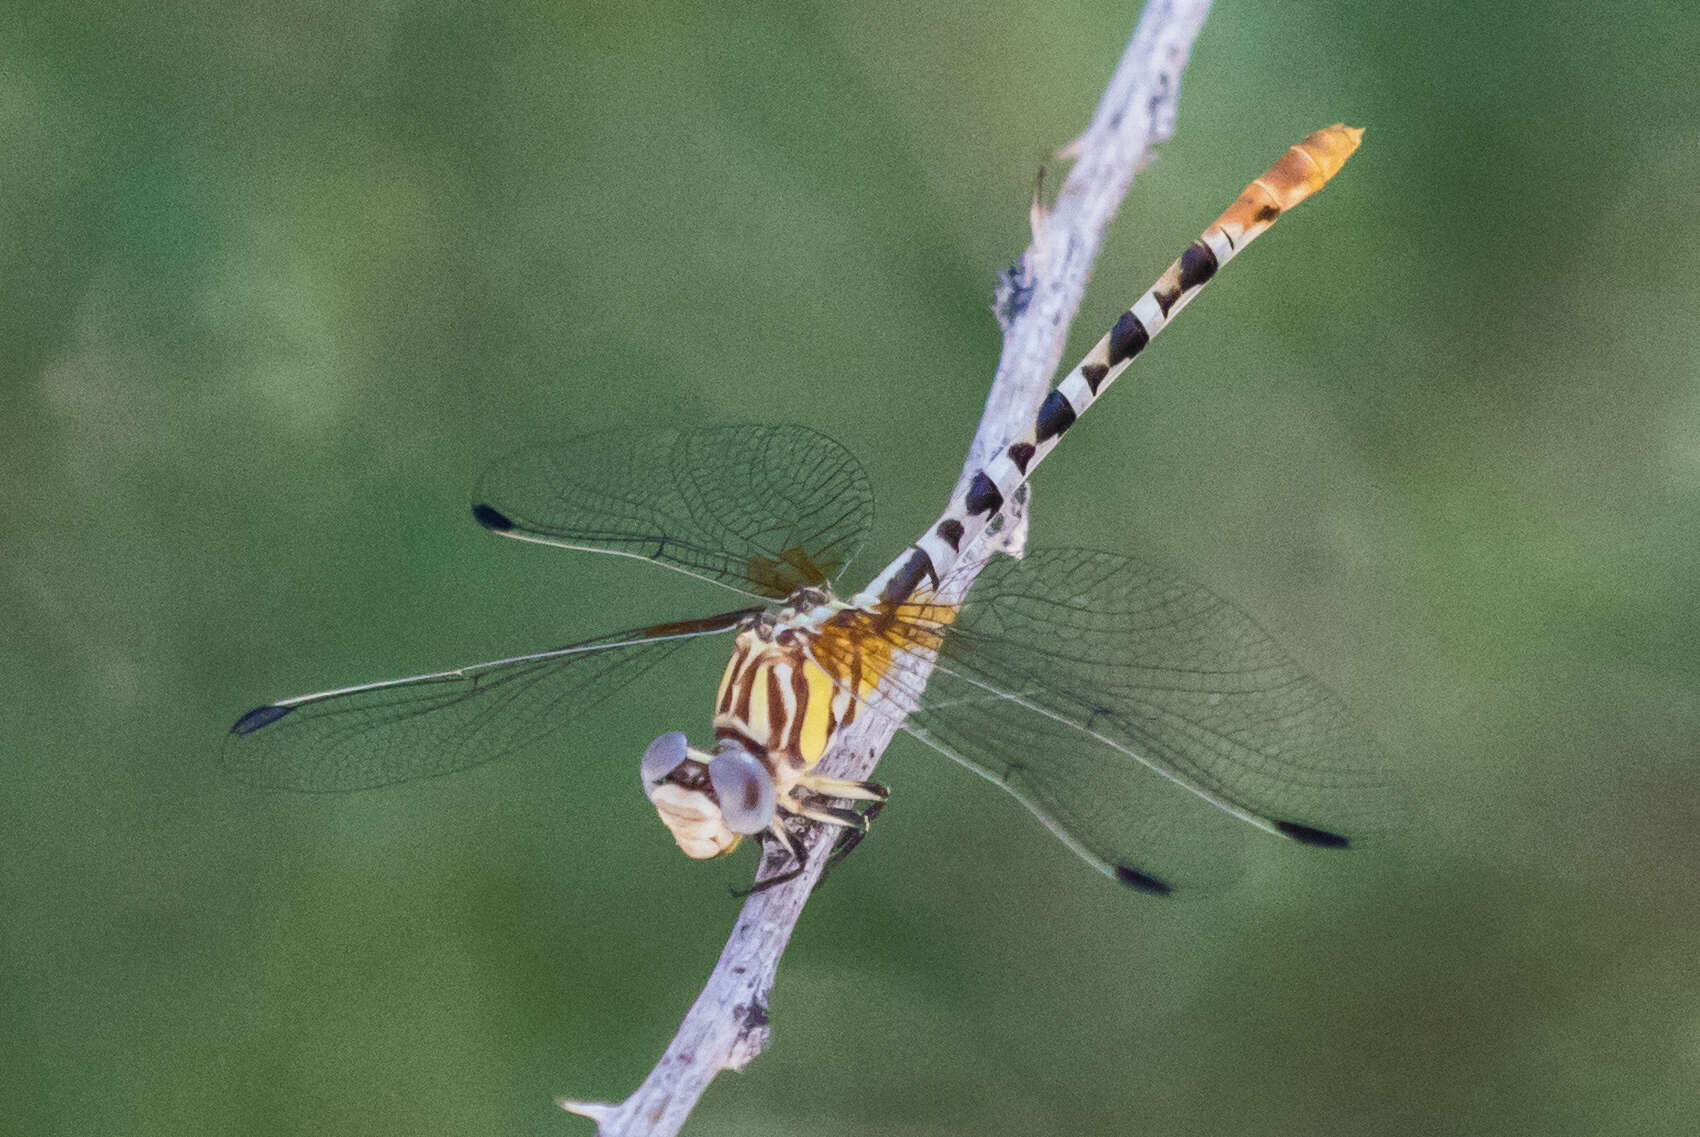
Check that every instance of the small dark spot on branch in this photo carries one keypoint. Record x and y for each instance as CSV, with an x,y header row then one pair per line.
x,y
753,1016
1012,294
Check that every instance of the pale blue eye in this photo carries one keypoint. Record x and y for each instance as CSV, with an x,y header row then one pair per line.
x,y
663,756
745,790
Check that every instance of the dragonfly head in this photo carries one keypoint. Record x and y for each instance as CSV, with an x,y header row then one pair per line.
x,y
708,801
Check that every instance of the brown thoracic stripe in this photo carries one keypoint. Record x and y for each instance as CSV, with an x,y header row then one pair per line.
x,y
745,689
775,710
800,711
734,676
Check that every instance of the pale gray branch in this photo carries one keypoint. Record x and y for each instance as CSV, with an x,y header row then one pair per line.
x,y
727,1025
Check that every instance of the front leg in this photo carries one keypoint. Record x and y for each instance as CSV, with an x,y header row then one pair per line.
x,y
873,793
799,858
850,838
854,824
839,788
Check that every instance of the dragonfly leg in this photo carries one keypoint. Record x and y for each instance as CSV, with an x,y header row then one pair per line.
x,y
799,860
829,815
850,838
853,822
850,791
873,793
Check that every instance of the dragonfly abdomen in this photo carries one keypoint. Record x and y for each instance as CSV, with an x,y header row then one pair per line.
x,y
1297,174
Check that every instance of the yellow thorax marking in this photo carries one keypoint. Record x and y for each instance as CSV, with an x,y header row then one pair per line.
x,y
821,674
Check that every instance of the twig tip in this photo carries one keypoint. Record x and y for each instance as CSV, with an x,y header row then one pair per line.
x,y
597,1111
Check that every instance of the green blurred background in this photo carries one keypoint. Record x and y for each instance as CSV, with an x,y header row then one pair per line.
x,y
280,279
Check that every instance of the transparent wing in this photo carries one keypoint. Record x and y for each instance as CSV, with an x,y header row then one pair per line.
x,y
1122,817
763,510
1131,709
424,725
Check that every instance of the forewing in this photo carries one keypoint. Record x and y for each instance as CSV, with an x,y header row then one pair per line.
x,y
760,509
425,725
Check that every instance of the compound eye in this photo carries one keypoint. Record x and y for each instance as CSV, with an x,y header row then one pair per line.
x,y
745,790
663,756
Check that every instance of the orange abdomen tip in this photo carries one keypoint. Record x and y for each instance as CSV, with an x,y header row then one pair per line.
x,y
1304,168
1297,174
1330,147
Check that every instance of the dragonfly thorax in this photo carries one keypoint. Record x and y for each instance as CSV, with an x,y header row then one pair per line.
x,y
776,711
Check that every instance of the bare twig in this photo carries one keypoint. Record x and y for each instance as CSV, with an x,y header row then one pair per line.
x,y
727,1025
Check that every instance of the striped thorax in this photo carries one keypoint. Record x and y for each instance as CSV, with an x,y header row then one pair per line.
x,y
779,705
774,698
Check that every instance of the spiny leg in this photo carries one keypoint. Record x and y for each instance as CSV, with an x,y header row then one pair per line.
x,y
850,838
840,788
825,815
873,793
830,815
854,823
799,860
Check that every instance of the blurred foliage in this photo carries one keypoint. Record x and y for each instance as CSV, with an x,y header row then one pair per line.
x,y
281,278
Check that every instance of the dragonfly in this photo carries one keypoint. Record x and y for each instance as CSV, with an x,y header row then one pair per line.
x,y
1146,721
